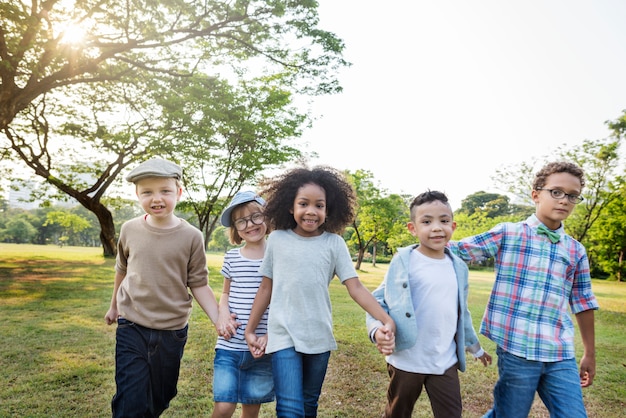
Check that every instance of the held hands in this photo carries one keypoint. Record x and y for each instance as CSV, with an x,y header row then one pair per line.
x,y
385,339
256,345
226,326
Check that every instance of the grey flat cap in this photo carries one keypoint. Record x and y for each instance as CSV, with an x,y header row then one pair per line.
x,y
239,199
156,167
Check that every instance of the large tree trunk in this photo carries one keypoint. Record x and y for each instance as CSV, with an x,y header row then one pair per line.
x,y
107,230
359,258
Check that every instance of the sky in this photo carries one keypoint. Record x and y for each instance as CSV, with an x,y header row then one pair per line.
x,y
443,93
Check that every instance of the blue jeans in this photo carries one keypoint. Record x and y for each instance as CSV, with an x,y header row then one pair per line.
x,y
557,383
147,363
298,380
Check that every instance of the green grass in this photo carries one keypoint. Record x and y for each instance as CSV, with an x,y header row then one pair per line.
x,y
57,354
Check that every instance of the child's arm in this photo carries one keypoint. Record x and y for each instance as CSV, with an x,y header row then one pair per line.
x,y
586,326
226,327
112,314
479,247
206,299
385,335
261,302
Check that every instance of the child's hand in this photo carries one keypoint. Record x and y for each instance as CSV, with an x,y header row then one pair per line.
x,y
227,326
111,316
385,340
485,359
256,345
587,370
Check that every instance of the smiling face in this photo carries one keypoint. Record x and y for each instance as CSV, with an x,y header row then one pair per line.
x,y
550,211
433,226
309,210
246,212
158,197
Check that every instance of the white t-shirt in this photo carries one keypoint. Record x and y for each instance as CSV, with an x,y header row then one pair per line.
x,y
301,269
434,291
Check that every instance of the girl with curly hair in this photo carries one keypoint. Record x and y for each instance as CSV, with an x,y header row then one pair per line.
x,y
307,209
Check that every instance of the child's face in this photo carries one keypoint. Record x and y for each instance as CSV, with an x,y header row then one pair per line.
x,y
158,196
249,213
553,211
433,226
309,210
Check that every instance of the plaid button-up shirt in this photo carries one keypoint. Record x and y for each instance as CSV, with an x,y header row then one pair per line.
x,y
536,281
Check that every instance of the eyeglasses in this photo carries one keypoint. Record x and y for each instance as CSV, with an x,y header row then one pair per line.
x,y
560,194
256,218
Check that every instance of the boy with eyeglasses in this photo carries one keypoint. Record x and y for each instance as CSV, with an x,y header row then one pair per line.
x,y
540,272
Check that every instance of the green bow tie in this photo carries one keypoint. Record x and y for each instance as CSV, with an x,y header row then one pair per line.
x,y
552,235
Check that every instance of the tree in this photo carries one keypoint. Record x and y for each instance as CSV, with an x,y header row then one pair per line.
x,y
492,204
76,77
70,223
219,240
376,215
608,238
19,230
235,133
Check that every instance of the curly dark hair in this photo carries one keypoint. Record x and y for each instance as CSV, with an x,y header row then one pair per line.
x,y
280,193
558,167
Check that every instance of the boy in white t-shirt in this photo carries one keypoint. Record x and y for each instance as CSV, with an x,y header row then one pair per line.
x,y
433,324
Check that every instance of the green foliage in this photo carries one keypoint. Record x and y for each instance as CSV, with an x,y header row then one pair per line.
x,y
235,132
377,217
492,205
219,240
18,230
78,110
607,239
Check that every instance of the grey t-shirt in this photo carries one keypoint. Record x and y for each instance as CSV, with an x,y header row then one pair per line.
x,y
301,269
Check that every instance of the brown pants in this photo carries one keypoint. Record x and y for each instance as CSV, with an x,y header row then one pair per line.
x,y
444,392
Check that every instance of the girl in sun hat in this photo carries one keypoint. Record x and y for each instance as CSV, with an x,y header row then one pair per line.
x,y
238,377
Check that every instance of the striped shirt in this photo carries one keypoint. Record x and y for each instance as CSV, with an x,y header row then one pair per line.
x,y
536,282
245,279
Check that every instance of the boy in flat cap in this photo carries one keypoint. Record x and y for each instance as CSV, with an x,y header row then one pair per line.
x,y
159,257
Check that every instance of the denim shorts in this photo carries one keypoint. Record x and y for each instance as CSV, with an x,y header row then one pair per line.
x,y
240,378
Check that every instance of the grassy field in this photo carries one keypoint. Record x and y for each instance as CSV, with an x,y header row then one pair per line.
x,y
57,354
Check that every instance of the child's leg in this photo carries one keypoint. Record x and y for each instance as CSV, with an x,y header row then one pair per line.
x,y
132,371
314,373
225,382
250,410
403,391
166,352
444,392
515,389
287,371
559,389
298,380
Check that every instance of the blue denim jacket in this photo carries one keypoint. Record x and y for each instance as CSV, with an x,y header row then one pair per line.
x,y
394,295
